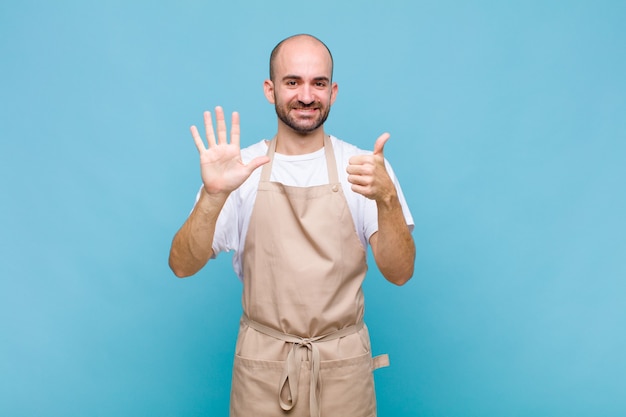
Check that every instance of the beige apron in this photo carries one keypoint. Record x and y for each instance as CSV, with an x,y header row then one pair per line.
x,y
302,349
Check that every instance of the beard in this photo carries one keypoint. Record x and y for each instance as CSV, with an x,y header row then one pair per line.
x,y
302,125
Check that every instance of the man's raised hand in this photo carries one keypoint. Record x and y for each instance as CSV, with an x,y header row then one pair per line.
x,y
221,166
368,175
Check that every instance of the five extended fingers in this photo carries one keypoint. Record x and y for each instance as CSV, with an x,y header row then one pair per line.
x,y
222,137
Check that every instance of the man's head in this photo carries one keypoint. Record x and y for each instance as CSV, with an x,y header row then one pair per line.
x,y
300,84
277,48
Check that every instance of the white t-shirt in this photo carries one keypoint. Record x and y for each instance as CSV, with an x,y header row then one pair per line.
x,y
301,171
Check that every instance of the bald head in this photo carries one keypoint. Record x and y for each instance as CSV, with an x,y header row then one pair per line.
x,y
303,39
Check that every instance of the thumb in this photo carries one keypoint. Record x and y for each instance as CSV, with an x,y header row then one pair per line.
x,y
380,143
257,162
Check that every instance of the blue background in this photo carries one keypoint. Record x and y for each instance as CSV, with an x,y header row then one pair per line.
x,y
508,123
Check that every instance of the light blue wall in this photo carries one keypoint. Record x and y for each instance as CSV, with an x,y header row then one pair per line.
x,y
508,123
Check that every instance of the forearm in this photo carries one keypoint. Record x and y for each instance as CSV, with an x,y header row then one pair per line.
x,y
392,245
192,245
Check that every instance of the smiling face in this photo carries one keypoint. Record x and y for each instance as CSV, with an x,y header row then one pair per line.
x,y
301,87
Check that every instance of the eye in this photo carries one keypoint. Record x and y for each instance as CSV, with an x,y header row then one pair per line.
x,y
321,84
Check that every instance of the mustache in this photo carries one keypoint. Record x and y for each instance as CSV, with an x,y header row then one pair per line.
x,y
300,105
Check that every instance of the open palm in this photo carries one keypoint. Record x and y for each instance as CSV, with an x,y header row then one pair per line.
x,y
221,166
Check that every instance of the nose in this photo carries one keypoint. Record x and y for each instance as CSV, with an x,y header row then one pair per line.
x,y
305,95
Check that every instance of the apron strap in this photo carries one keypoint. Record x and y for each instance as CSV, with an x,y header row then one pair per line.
x,y
266,170
380,361
288,387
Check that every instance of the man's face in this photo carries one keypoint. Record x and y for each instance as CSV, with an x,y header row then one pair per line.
x,y
302,88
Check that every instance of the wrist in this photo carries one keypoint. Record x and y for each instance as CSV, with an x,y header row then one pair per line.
x,y
210,200
387,202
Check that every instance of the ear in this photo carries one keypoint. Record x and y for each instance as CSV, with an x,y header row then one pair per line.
x,y
268,89
333,93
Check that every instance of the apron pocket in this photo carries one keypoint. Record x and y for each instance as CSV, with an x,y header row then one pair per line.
x,y
348,387
254,391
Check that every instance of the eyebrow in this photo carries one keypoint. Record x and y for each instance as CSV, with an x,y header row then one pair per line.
x,y
297,77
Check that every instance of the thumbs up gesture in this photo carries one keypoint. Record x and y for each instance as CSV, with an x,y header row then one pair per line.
x,y
368,175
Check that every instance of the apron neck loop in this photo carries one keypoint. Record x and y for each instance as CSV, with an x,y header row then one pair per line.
x,y
331,163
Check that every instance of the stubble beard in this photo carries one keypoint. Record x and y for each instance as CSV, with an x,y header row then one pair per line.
x,y
302,126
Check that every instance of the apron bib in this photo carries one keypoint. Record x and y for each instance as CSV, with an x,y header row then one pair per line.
x,y
302,349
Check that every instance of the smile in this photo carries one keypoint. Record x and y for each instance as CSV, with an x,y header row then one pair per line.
x,y
306,110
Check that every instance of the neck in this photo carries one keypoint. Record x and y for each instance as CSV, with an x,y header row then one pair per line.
x,y
289,142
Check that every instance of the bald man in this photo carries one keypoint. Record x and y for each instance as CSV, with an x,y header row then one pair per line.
x,y
299,211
